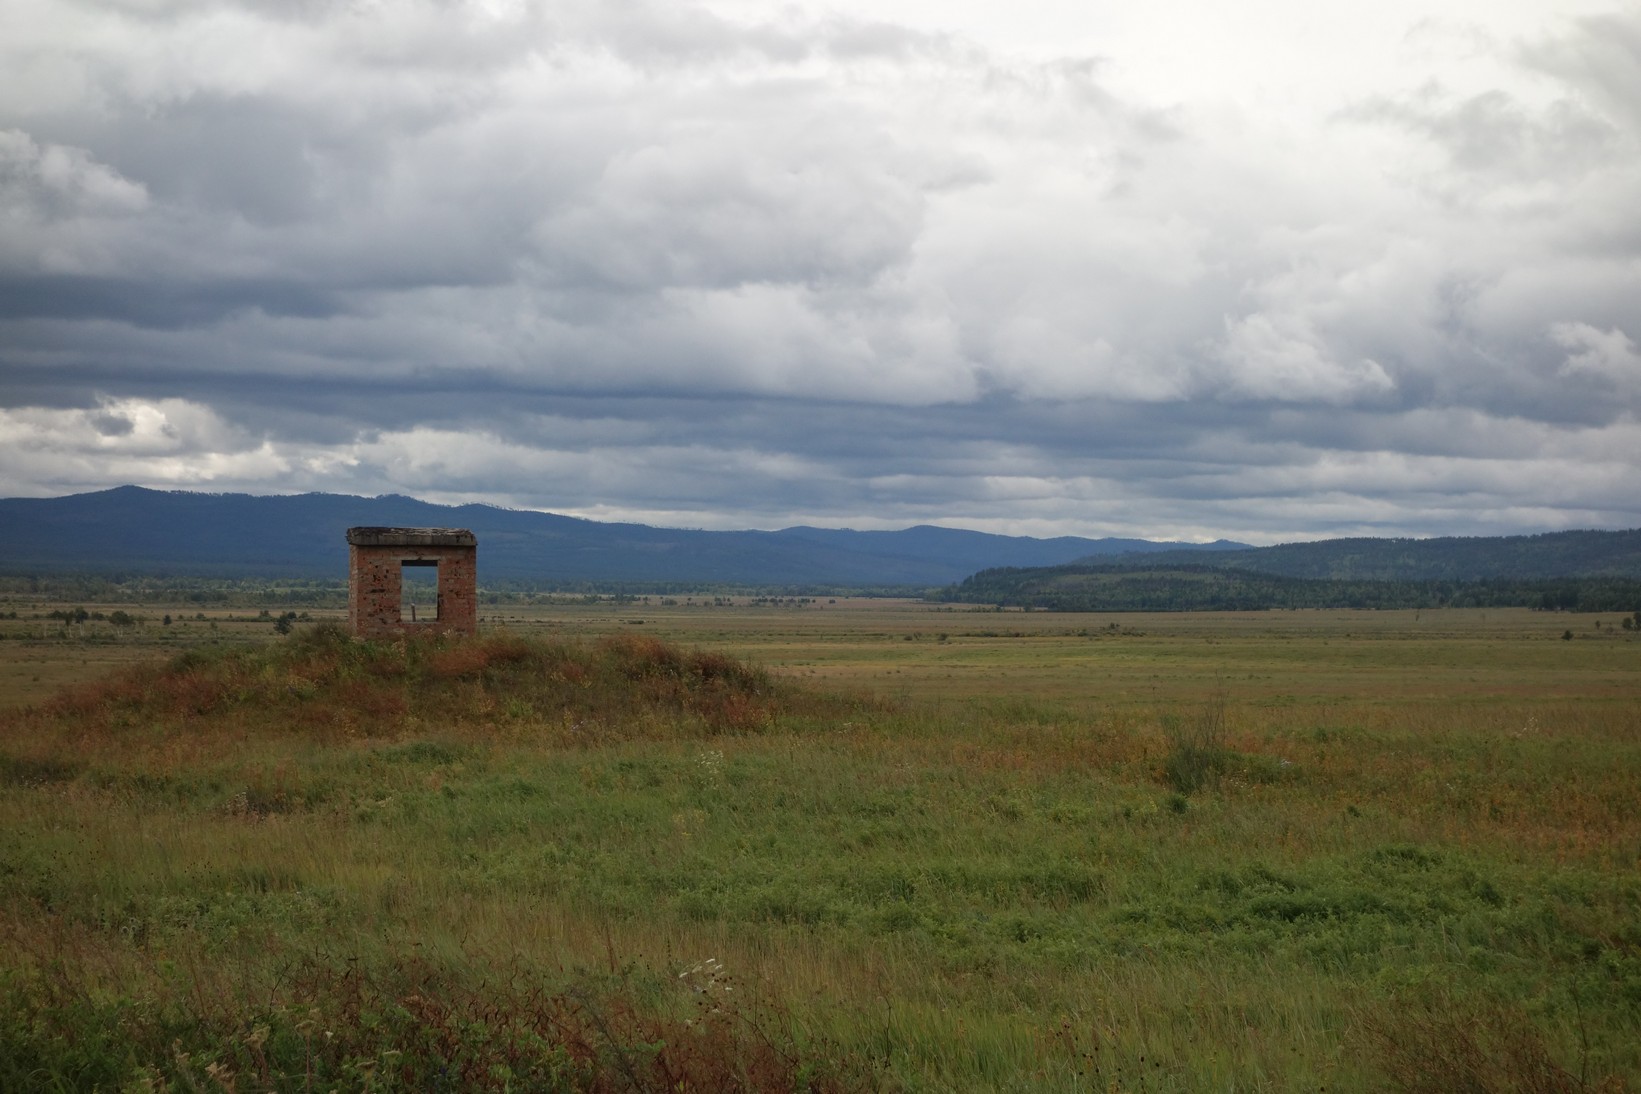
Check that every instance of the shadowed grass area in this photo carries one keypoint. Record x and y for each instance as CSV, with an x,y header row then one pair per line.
x,y
614,863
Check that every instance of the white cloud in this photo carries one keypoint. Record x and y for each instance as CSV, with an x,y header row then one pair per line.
x,y
170,442
1609,355
131,427
55,180
1284,359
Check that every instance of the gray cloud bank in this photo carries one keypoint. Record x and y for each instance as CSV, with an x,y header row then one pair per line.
x,y
637,260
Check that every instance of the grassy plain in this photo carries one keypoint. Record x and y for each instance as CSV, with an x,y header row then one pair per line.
x,y
935,849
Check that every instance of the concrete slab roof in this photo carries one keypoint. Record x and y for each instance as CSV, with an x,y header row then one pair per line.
x,y
412,537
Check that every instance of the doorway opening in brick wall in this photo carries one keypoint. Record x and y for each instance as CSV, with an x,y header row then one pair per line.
x,y
419,591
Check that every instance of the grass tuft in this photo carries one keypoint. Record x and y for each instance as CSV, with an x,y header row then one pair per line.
x,y
1197,753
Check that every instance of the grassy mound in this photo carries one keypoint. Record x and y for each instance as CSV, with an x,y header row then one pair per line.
x,y
324,683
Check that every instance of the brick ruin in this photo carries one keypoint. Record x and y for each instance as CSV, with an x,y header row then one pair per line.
x,y
389,591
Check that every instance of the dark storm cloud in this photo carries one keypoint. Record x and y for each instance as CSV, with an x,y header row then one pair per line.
x,y
654,260
156,302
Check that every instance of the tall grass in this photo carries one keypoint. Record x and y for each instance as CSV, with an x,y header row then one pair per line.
x,y
1197,752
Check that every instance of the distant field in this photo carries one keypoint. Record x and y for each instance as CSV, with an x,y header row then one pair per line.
x,y
909,648
39,655
940,849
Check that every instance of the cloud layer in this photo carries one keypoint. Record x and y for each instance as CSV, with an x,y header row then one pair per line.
x,y
696,264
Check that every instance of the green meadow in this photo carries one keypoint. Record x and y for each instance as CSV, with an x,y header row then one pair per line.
x,y
708,843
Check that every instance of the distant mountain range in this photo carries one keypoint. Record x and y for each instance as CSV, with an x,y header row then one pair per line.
x,y
135,531
132,530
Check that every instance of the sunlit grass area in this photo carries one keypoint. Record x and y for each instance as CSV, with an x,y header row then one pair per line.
x,y
833,845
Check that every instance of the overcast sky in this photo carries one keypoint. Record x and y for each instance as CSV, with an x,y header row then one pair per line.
x,y
1270,270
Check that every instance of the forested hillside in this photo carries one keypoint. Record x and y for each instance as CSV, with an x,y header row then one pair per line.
x,y
1144,587
1449,558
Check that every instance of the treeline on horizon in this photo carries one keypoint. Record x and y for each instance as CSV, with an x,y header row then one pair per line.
x,y
1138,587
239,592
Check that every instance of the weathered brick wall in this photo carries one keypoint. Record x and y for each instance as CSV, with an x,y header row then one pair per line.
x,y
374,589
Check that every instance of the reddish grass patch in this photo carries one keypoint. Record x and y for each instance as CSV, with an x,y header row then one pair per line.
x,y
474,657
